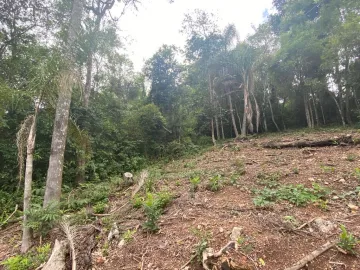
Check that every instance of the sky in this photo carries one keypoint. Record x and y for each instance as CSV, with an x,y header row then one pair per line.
x,y
158,22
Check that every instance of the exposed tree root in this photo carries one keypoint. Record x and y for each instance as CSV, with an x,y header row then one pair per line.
x,y
311,256
343,140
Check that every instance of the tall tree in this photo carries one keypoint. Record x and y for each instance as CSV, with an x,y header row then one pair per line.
x,y
67,80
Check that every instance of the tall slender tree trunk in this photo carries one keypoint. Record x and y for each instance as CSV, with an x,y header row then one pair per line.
x,y
272,115
307,111
257,109
238,117
218,136
232,116
212,104
67,80
322,112
347,93
338,107
26,241
246,100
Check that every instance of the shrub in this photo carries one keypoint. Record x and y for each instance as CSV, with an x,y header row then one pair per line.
x,y
42,220
194,184
28,261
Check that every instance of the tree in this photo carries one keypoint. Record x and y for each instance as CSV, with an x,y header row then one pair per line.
x,y
66,82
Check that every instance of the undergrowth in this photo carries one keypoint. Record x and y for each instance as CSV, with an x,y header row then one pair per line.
x,y
298,195
30,260
347,241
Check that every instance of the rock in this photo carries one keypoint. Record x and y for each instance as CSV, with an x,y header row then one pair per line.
x,y
326,183
311,179
236,233
324,226
114,232
342,180
121,243
353,207
221,230
335,198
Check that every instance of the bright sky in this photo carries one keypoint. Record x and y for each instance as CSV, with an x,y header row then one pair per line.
x,y
158,22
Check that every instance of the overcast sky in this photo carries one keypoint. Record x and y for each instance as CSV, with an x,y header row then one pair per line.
x,y
158,22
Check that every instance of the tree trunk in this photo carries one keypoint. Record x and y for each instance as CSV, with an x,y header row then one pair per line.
x,y
246,99
315,110
232,116
272,115
307,111
322,112
338,107
257,113
218,136
67,78
26,241
222,126
212,117
347,93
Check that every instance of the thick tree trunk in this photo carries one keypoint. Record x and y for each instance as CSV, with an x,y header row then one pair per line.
x,y
55,170
232,116
26,241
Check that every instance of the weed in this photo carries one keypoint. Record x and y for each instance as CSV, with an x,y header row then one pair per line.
x,y
100,207
240,166
137,201
105,249
328,169
269,180
357,173
30,260
295,170
128,236
351,157
214,183
234,179
295,194
177,183
190,165
245,244
347,241
322,204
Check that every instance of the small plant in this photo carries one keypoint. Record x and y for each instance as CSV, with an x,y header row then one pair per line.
x,y
328,169
154,205
245,244
351,157
357,173
290,219
137,201
177,183
214,183
190,165
194,184
268,179
240,166
295,194
322,204
105,249
295,170
347,241
100,207
128,236
41,219
30,260
204,238
234,179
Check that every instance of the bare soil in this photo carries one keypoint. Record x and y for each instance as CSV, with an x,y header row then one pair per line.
x,y
270,237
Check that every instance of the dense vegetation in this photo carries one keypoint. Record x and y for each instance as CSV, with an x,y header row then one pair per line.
x,y
300,68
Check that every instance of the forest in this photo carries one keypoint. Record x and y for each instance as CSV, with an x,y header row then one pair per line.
x,y
75,117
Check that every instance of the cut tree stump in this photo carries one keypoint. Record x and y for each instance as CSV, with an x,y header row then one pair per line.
x,y
343,140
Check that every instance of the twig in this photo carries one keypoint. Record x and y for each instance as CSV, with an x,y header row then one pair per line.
x,y
13,213
188,262
306,223
311,256
142,260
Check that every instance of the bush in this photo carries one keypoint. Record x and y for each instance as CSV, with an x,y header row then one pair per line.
x,y
42,220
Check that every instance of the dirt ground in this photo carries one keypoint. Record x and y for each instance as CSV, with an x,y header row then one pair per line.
x,y
272,237
271,241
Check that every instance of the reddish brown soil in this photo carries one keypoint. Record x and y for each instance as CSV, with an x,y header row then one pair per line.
x,y
272,239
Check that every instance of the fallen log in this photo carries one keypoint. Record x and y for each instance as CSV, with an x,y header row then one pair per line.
x,y
311,256
343,140
57,259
